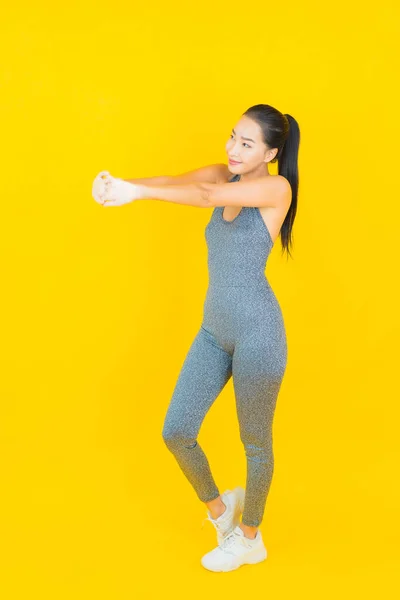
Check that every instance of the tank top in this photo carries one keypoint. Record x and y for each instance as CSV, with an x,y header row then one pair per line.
x,y
238,250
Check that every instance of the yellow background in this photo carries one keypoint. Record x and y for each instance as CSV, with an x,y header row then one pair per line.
x,y
99,306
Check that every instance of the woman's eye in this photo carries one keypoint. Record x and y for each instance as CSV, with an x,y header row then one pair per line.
x,y
243,142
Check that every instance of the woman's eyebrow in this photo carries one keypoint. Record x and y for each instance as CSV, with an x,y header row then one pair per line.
x,y
244,138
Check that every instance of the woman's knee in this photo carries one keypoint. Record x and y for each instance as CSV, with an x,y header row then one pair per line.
x,y
175,438
259,453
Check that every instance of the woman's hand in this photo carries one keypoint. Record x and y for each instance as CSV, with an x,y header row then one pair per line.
x,y
118,192
99,186
112,191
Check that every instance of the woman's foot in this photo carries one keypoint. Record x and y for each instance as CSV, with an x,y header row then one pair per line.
x,y
236,550
229,517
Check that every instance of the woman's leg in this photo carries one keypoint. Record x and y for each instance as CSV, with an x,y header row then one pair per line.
x,y
205,371
258,367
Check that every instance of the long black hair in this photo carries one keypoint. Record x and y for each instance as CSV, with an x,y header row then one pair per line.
x,y
281,131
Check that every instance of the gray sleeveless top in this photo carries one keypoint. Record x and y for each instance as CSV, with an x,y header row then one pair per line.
x,y
237,250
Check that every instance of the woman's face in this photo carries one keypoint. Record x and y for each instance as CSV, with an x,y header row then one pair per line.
x,y
245,145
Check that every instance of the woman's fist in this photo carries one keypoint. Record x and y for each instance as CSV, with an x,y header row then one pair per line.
x,y
112,191
100,185
118,192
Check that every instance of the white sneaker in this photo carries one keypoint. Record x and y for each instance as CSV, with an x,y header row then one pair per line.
x,y
236,550
225,523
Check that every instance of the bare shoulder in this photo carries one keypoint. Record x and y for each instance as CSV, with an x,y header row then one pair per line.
x,y
282,191
286,187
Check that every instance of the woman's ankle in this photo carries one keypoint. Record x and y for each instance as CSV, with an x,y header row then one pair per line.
x,y
216,507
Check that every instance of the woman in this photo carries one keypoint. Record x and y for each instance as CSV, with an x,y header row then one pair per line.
x,y
242,333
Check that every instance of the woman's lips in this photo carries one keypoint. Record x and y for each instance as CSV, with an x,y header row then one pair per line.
x,y
234,162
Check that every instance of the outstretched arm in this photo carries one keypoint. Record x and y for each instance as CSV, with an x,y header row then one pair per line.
x,y
208,174
157,180
263,191
111,191
186,188
191,194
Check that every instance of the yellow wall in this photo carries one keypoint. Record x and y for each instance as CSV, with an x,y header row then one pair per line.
x,y
99,306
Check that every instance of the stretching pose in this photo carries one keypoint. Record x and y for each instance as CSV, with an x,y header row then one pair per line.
x,y
242,333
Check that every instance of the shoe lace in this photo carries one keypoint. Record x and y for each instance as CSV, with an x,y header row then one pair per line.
x,y
216,524
229,541
219,525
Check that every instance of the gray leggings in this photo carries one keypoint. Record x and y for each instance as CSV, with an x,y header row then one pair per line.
x,y
242,335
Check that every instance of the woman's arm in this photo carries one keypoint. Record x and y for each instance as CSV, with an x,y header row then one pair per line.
x,y
191,194
187,188
169,190
215,173
158,180
112,191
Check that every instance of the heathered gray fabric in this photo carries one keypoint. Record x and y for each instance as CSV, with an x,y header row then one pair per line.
x,y
242,335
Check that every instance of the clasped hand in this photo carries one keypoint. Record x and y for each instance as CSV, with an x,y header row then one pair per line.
x,y
112,191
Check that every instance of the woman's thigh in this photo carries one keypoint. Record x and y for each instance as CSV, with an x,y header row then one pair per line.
x,y
258,366
204,373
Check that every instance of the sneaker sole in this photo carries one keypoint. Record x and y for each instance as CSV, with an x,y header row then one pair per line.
x,y
257,558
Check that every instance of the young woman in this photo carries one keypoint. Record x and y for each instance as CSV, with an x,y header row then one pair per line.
x,y
242,333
